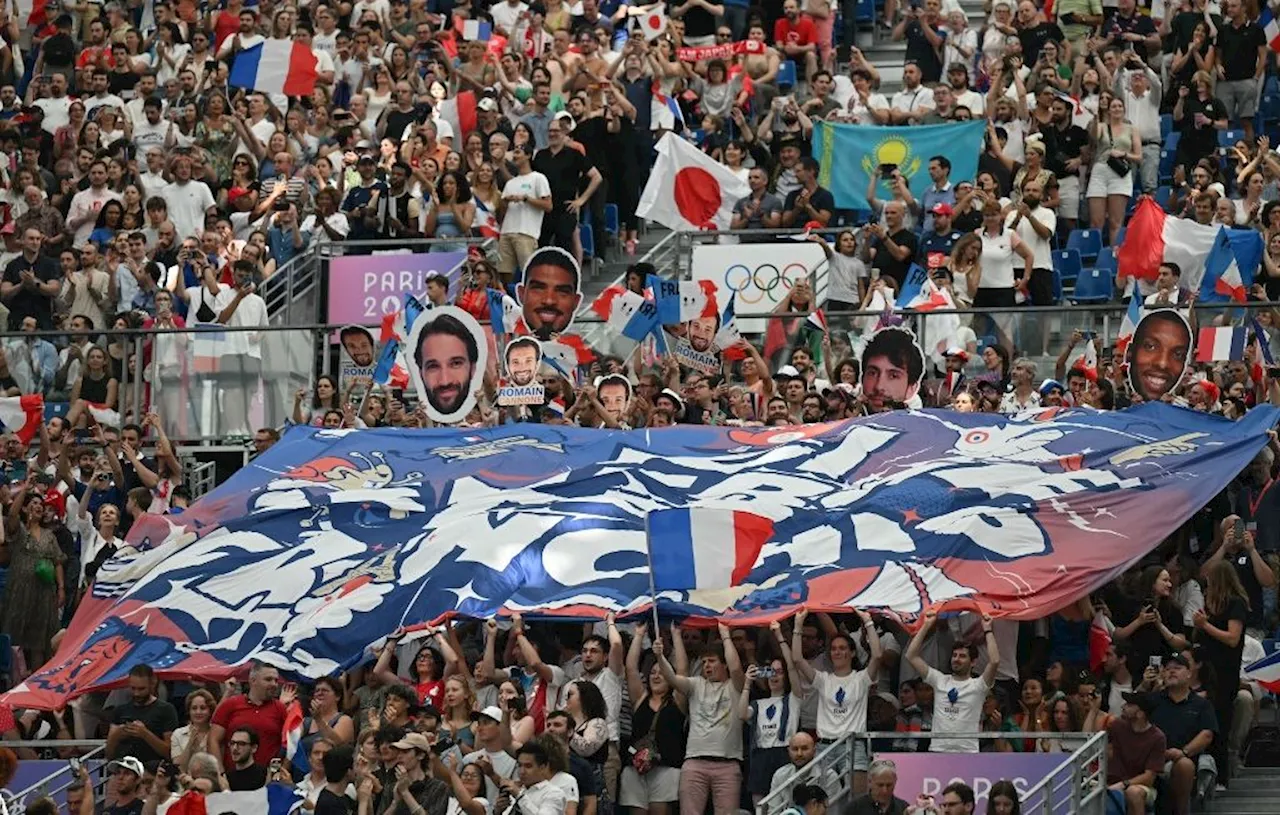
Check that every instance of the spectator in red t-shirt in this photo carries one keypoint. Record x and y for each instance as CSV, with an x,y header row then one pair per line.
x,y
796,38
259,709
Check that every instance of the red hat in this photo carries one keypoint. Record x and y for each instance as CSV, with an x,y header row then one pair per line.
x,y
942,208
57,500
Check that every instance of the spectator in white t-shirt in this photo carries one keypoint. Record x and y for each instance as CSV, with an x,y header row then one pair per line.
x,y
714,748
842,692
774,719
958,697
189,200
526,198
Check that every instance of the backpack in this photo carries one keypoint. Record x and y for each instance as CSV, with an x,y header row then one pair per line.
x,y
1262,746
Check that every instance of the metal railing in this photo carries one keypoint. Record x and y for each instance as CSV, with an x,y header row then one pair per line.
x,y
206,391
1080,782
1077,785
55,785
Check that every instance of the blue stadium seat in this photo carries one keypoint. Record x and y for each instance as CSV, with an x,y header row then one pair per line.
x,y
1088,242
587,237
1162,196
1057,286
1227,138
1106,260
1094,286
786,73
1067,265
612,223
1166,125
1171,141
866,11
1124,230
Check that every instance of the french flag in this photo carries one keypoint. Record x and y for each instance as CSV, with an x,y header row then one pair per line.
x,y
566,354
1153,237
704,547
626,313
1088,361
474,29
22,415
1221,344
729,337
1270,28
390,369
913,286
504,313
664,111
1266,672
299,762
1129,323
276,66
460,113
486,221
273,799
1223,279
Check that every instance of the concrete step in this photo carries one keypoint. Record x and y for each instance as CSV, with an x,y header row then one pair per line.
x,y
1272,773
1248,806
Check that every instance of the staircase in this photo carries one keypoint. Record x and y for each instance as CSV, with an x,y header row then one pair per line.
x,y
1254,791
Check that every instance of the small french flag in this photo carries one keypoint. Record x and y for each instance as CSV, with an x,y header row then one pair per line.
x,y
476,30
504,312
1129,323
626,313
486,221
1270,28
1221,344
704,547
276,66
1266,672
1223,279
299,761
728,337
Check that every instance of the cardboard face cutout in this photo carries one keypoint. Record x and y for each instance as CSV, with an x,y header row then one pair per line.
x,y
892,367
449,358
1158,355
550,292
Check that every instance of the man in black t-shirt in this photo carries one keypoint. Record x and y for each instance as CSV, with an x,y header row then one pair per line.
x,y
1242,48
142,725
565,169
1064,143
244,773
1034,32
1199,115
922,28
893,248
338,772
811,203
31,282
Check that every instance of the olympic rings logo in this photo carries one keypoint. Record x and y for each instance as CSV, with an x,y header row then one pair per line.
x,y
751,287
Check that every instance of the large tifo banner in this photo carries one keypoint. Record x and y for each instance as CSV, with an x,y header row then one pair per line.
x,y
333,538
759,275
925,774
850,154
363,288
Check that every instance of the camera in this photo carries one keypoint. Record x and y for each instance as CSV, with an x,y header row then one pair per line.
x,y
887,170
765,672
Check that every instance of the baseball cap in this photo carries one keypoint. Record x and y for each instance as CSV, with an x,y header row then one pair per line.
x,y
673,396
487,104
413,741
567,118
129,763
1178,658
942,208
787,372
491,712
1050,384
364,144
957,352
822,386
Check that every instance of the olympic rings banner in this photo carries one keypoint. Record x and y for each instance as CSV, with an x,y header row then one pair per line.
x,y
759,275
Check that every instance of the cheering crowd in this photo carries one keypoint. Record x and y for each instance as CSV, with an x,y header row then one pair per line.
x,y
141,190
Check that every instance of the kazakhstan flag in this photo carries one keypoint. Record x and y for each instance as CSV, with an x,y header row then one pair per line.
x,y
849,154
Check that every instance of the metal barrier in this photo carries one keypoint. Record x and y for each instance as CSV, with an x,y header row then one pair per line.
x,y
57,783
1077,785
207,390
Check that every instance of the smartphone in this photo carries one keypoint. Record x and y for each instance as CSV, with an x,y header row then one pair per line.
x,y
1237,532
887,170
1273,371
73,764
765,672
398,394
1153,662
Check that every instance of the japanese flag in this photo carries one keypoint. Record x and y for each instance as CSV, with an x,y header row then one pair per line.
x,y
653,22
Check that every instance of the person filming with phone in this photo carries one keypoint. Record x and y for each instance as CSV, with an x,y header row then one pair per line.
x,y
1153,624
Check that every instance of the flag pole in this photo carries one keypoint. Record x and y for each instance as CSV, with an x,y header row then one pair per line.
x,y
653,592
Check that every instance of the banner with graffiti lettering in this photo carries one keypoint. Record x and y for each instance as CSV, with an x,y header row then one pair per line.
x,y
362,531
